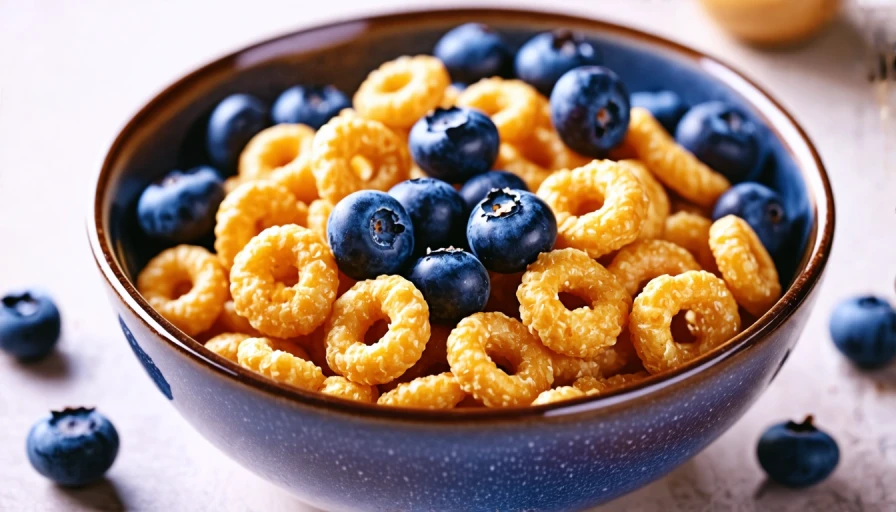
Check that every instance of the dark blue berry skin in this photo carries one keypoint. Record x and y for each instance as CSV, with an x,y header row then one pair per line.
x,y
509,229
370,234
312,105
590,110
666,106
73,447
547,56
725,138
474,51
476,188
181,207
864,330
233,122
454,144
436,210
797,454
453,282
29,324
762,208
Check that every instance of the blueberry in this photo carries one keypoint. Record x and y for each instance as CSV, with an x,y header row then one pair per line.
x,y
72,447
509,229
312,105
666,106
454,144
547,56
476,188
797,454
370,234
725,138
864,330
233,122
762,208
474,51
29,324
453,282
436,210
181,207
590,110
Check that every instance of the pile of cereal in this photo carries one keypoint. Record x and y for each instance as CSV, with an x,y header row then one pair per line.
x,y
437,245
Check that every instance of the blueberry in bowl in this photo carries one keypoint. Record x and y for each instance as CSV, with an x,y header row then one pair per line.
x,y
542,60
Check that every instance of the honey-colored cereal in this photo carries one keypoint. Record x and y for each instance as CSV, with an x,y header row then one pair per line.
x,y
657,201
442,391
511,158
229,321
600,386
691,231
609,361
274,148
259,355
513,105
343,388
227,344
641,261
401,91
298,178
318,215
558,395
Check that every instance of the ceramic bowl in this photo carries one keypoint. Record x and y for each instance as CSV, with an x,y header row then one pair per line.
x,y
340,455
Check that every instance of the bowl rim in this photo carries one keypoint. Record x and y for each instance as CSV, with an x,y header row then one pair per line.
x,y
813,260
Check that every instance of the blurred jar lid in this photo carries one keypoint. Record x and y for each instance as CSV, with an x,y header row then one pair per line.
x,y
773,22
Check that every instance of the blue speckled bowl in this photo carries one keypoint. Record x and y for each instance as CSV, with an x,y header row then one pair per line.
x,y
348,456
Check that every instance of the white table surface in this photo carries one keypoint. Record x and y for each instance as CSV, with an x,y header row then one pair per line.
x,y
72,72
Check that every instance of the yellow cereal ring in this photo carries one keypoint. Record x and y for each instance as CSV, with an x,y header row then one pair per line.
x,y
248,210
401,91
609,361
187,286
745,265
691,231
601,386
513,105
449,99
259,355
232,183
511,159
352,154
227,344
348,390
298,179
259,281
557,395
273,148
441,391
657,201
318,215
613,198
359,308
481,337
712,308
433,361
229,321
672,164
641,261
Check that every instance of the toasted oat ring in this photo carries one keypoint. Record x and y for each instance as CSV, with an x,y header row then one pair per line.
x,y
433,361
441,391
657,201
229,321
557,395
745,265
351,154
343,388
511,159
273,148
318,216
401,91
481,337
641,261
272,306
691,231
187,286
513,105
359,308
298,179
249,209
672,164
601,386
609,361
260,356
615,223
449,99
582,332
713,318
227,346
232,183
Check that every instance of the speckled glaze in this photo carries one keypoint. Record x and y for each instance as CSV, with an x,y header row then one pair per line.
x,y
341,455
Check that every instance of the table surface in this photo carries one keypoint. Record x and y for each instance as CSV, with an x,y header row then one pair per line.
x,y
72,72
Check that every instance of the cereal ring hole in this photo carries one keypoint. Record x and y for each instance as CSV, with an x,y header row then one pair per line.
x,y
585,202
502,362
376,331
181,288
684,327
362,167
572,301
281,152
395,82
285,273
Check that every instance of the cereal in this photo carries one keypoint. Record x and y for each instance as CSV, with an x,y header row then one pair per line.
x,y
582,332
557,395
187,286
402,91
232,183
481,337
745,265
609,361
657,201
600,386
691,232
510,158
713,318
273,148
611,194
353,314
227,344
260,356
298,179
251,208
670,163
318,215
513,105
343,388
641,261
433,361
350,154
441,391
449,99
274,307
229,321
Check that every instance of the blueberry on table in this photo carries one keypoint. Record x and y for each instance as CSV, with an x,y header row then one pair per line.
x,y
666,106
590,110
509,229
181,207
797,454
453,282
29,324
72,447
724,137
370,234
547,56
762,208
864,330
476,188
233,122
436,210
312,105
454,144
474,51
